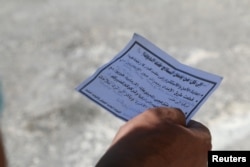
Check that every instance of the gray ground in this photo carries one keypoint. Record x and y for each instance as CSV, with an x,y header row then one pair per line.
x,y
47,47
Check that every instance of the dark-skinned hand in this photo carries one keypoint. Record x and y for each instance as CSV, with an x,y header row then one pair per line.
x,y
159,137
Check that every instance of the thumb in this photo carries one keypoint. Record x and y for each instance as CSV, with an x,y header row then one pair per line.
x,y
162,114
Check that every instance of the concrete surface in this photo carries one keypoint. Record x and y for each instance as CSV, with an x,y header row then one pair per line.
x,y
47,47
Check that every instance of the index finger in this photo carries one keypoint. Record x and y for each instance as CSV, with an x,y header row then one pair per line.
x,y
197,126
201,131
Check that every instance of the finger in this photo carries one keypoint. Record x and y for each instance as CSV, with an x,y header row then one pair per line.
x,y
123,131
198,126
200,131
163,114
150,118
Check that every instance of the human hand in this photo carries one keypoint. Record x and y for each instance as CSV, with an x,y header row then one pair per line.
x,y
159,137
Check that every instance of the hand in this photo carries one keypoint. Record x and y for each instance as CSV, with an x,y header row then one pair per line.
x,y
3,160
159,137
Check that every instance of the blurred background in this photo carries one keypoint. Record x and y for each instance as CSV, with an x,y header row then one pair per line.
x,y
47,47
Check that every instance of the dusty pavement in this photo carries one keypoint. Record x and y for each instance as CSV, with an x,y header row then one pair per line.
x,y
48,47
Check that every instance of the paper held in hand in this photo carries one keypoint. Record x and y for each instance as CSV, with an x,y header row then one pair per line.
x,y
143,76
